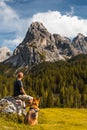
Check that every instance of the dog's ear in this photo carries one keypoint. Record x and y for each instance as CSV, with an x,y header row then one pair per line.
x,y
38,99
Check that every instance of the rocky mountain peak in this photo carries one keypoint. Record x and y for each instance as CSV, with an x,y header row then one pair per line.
x,y
37,46
40,45
64,46
34,32
5,53
80,43
38,26
79,36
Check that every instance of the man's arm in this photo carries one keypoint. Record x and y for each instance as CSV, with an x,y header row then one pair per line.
x,y
22,90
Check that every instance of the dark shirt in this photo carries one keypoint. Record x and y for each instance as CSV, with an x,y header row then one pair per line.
x,y
17,87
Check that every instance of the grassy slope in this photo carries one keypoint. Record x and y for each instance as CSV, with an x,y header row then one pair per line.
x,y
52,119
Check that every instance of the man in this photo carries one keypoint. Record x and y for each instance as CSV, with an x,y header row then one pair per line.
x,y
19,91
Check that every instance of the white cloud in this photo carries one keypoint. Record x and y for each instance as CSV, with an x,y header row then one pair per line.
x,y
15,41
9,19
12,43
11,22
65,25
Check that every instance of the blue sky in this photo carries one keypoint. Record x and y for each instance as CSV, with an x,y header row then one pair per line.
x,y
65,17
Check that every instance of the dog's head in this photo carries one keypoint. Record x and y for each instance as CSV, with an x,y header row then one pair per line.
x,y
33,113
35,102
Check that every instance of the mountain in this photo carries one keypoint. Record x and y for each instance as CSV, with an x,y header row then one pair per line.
x,y
65,46
40,45
80,43
5,53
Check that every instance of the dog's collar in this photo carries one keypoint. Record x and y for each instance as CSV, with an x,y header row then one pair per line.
x,y
36,110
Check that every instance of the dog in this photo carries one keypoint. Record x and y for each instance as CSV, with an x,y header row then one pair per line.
x,y
31,117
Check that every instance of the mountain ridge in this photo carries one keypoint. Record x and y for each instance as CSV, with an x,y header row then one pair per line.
x,y
40,45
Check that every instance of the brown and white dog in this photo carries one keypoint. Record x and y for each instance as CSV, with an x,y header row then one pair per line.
x,y
31,117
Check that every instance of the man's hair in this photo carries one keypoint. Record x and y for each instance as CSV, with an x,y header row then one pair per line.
x,y
20,75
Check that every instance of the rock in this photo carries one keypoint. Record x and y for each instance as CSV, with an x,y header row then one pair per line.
x,y
11,105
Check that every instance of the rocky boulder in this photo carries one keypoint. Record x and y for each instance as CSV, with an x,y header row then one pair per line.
x,y
11,105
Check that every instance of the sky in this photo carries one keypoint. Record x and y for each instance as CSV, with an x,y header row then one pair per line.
x,y
64,17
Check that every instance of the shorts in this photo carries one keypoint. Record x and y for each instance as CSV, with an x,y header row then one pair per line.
x,y
25,97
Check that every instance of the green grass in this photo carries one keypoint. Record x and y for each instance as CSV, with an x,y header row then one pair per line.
x,y
50,119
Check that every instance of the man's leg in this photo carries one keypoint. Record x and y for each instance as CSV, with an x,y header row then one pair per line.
x,y
28,99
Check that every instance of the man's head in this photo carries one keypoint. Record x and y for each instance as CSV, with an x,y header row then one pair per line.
x,y
20,75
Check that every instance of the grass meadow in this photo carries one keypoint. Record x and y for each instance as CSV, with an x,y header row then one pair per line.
x,y
49,119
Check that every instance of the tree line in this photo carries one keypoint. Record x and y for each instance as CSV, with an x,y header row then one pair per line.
x,y
58,84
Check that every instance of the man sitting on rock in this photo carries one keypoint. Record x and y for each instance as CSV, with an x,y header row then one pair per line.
x,y
19,91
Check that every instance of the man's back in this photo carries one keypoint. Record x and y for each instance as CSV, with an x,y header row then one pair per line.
x,y
17,87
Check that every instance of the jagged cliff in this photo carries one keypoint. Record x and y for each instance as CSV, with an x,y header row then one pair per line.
x,y
5,53
80,43
39,45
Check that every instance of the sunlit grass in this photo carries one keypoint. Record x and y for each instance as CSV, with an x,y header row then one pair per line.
x,y
51,119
